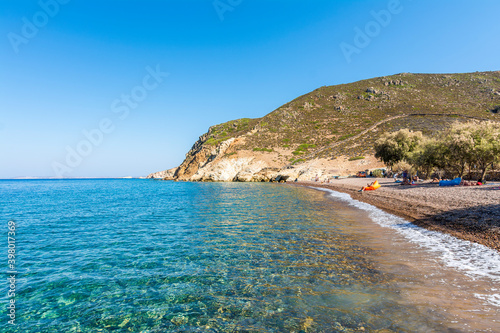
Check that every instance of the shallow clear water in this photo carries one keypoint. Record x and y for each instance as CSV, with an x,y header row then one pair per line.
x,y
152,256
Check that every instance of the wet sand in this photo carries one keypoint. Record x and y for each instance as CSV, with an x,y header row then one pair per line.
x,y
470,213
461,302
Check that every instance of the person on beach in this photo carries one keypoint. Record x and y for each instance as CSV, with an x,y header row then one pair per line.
x,y
367,185
405,177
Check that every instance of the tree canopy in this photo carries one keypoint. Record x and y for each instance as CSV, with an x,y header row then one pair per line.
x,y
394,147
465,146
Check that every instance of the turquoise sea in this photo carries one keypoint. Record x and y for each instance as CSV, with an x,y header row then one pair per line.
x,y
154,256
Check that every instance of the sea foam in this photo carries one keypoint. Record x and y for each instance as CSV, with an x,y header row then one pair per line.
x,y
475,260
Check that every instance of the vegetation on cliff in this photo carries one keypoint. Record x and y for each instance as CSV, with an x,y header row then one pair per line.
x,y
341,121
328,121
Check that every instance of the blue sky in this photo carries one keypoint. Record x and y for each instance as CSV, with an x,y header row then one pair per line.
x,y
68,67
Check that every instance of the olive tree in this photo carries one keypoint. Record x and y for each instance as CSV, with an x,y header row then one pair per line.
x,y
429,155
394,147
485,151
458,143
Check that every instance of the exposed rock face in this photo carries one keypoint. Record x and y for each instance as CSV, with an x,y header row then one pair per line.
x,y
194,159
212,163
234,169
197,165
167,174
265,174
227,162
372,91
395,83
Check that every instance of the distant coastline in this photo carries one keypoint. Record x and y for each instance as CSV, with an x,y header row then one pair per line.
x,y
76,178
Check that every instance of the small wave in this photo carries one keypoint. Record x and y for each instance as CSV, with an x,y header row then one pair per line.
x,y
473,259
492,299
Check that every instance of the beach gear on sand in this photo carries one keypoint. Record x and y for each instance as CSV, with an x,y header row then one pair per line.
x,y
453,182
375,186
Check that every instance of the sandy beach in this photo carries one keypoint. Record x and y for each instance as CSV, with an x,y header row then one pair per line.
x,y
467,212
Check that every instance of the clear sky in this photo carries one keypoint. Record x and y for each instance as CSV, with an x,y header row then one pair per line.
x,y
124,88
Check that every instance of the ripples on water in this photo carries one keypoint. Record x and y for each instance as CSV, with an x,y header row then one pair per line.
x,y
150,256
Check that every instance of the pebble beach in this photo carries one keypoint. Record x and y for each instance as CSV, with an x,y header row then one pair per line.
x,y
470,213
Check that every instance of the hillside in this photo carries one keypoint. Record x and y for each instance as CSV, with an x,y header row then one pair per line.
x,y
331,130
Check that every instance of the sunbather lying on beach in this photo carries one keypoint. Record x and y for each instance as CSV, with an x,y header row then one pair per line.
x,y
367,185
470,183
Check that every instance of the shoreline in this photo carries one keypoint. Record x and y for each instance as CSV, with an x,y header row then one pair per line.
x,y
468,213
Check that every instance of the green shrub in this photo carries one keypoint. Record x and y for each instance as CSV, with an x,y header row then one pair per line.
x,y
263,149
303,148
347,136
212,142
357,158
300,160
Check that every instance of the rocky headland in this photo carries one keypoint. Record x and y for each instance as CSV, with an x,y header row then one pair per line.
x,y
166,175
330,132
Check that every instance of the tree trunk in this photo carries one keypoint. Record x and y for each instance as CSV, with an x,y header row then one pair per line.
x,y
483,172
462,170
484,169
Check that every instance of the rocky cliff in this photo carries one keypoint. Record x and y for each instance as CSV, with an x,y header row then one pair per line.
x,y
167,174
330,131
